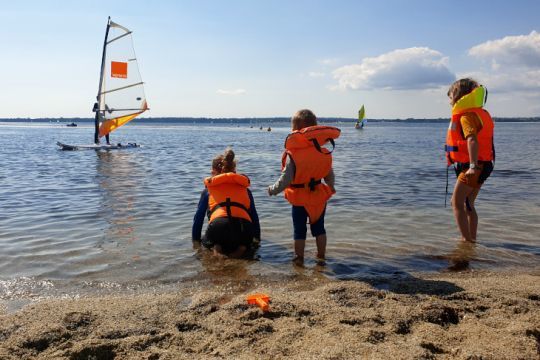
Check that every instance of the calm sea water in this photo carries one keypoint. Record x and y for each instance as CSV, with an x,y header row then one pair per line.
x,y
83,222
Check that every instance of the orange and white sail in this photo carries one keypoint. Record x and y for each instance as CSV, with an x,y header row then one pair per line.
x,y
121,97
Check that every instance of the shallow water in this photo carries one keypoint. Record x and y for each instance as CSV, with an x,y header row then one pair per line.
x,y
86,222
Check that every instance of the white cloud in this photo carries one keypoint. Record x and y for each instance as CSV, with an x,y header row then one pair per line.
x,y
508,80
515,63
231,92
522,50
401,69
315,74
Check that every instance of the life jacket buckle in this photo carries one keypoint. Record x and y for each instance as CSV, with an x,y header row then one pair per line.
x,y
312,183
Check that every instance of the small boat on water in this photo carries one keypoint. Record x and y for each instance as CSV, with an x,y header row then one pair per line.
x,y
361,122
71,125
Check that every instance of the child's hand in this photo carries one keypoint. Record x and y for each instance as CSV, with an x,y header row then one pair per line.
x,y
470,172
269,193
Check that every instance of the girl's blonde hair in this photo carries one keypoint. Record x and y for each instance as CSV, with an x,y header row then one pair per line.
x,y
303,118
461,88
224,163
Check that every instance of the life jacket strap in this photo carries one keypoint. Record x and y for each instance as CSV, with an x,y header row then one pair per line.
x,y
227,204
311,184
446,192
448,150
318,146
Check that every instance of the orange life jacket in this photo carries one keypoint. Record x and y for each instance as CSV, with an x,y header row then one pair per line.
x,y
456,144
228,196
313,162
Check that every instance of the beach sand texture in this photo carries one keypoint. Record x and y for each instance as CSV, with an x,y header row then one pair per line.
x,y
473,315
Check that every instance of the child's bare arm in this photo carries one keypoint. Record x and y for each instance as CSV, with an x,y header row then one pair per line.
x,y
330,180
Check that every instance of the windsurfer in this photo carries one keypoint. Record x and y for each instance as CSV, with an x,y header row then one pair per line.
x,y
361,121
100,120
120,97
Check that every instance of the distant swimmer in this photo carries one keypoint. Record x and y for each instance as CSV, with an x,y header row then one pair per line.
x,y
469,147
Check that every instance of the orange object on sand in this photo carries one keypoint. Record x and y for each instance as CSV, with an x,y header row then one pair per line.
x,y
261,300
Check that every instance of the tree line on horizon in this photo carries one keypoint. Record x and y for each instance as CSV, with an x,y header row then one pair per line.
x,y
254,120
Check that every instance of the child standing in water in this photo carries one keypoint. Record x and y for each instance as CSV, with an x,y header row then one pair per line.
x,y
233,221
469,147
305,162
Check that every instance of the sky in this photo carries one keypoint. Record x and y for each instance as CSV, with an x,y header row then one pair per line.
x,y
254,58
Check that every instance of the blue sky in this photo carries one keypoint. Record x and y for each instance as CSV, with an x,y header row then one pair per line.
x,y
269,58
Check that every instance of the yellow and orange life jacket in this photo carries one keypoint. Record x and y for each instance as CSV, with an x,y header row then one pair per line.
x,y
228,196
313,162
456,144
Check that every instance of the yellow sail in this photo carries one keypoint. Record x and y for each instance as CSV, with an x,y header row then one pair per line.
x,y
361,113
110,125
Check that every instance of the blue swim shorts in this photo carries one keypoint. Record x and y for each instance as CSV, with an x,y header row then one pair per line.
x,y
300,216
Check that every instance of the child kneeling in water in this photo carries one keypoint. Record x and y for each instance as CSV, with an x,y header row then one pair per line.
x,y
305,162
233,221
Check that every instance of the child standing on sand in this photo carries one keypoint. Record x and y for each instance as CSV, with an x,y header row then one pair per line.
x,y
305,162
469,147
233,221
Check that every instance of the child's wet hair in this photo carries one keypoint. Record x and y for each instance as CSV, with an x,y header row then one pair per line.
x,y
224,163
461,88
303,118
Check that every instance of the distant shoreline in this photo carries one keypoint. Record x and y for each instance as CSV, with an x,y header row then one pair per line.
x,y
271,120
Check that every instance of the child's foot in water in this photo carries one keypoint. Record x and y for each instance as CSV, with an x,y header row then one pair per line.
x,y
298,260
320,261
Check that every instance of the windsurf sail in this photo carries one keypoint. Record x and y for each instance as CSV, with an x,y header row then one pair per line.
x,y
121,95
361,114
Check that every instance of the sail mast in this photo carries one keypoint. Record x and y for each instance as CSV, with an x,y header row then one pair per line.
x,y
98,109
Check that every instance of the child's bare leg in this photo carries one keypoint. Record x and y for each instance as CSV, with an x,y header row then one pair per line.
x,y
321,246
471,213
461,191
299,246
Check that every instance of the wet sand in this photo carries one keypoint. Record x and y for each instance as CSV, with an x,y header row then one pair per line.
x,y
470,315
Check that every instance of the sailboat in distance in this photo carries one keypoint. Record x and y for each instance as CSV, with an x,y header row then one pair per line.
x,y
120,97
361,118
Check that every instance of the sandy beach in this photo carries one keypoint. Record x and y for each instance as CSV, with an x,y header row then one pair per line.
x,y
471,315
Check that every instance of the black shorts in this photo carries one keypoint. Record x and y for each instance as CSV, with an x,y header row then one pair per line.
x,y
486,167
229,234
